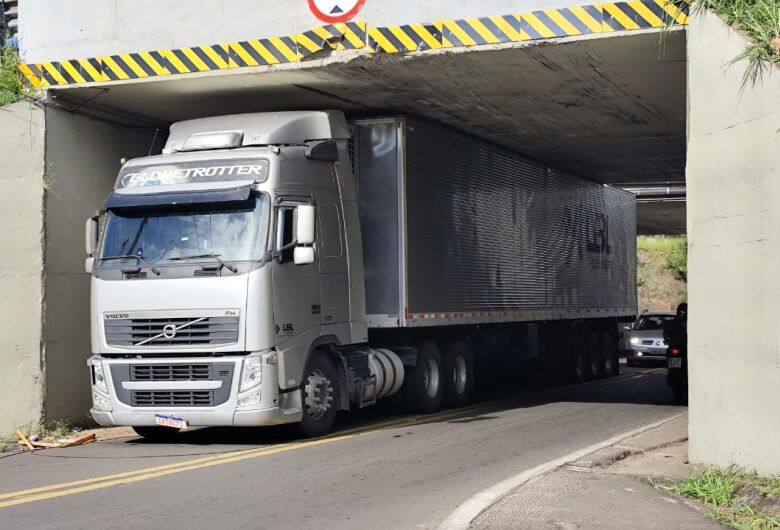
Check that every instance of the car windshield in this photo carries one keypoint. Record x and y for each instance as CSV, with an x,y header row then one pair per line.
x,y
652,322
230,231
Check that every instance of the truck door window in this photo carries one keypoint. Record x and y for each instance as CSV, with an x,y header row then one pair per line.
x,y
286,231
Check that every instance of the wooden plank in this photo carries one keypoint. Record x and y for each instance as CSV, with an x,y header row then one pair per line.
x,y
24,440
87,438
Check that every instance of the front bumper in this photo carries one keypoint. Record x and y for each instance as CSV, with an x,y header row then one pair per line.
x,y
272,408
647,354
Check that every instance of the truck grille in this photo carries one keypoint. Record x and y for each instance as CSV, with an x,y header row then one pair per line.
x,y
172,331
170,372
177,398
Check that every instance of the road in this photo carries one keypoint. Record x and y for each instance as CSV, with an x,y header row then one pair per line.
x,y
380,470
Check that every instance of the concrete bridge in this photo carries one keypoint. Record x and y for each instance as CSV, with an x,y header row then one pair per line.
x,y
589,87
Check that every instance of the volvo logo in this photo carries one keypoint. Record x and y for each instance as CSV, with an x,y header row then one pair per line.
x,y
169,331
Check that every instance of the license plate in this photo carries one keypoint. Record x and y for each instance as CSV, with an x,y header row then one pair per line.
x,y
170,421
675,362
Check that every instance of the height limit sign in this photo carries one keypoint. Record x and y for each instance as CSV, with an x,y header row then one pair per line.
x,y
333,11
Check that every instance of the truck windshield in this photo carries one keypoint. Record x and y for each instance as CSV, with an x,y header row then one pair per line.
x,y
231,231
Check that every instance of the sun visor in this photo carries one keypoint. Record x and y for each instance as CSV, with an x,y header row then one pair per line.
x,y
175,198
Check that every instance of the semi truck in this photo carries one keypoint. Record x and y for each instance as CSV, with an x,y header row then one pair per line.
x,y
275,268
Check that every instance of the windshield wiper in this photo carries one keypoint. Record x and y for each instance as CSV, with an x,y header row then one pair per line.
x,y
228,266
139,258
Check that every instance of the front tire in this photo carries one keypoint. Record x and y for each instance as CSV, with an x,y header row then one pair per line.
x,y
157,434
423,387
458,373
320,396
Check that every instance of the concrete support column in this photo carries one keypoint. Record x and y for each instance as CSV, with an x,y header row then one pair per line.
x,y
733,174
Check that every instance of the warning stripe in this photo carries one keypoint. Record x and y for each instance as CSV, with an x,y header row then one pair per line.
x,y
541,24
477,31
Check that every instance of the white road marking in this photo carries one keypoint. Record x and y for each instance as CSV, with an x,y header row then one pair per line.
x,y
465,514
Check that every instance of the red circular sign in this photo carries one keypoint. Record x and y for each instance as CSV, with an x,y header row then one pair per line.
x,y
333,11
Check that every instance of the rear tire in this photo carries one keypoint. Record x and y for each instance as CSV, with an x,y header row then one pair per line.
x,y
423,387
593,365
609,360
157,434
458,373
320,397
578,355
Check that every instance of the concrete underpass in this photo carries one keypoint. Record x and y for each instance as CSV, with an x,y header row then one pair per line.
x,y
609,103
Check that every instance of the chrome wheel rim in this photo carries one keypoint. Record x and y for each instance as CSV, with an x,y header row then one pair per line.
x,y
431,377
319,394
459,374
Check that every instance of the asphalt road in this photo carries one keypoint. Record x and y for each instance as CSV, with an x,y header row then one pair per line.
x,y
381,470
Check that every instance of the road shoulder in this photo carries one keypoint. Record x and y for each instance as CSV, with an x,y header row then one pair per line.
x,y
609,488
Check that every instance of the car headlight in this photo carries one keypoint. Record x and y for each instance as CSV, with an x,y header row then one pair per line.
x,y
634,340
251,372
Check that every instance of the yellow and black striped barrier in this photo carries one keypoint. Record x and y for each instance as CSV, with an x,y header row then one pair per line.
x,y
541,24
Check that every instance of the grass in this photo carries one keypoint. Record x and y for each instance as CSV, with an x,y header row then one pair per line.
x,y
738,498
11,87
760,20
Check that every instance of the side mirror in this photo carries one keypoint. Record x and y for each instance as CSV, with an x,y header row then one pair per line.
x,y
305,226
303,255
90,239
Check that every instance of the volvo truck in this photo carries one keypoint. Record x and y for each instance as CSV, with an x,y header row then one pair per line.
x,y
275,268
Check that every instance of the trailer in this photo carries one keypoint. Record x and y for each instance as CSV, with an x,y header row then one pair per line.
x,y
281,267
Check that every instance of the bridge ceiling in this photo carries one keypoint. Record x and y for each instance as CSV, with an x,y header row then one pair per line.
x,y
608,108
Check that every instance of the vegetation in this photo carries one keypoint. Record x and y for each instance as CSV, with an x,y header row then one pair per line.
x,y
11,87
760,20
662,271
738,498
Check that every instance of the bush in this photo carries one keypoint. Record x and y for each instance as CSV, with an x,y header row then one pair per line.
x,y
11,88
677,258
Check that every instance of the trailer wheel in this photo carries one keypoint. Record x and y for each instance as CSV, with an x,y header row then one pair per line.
x,y
458,373
579,352
320,396
609,361
157,434
593,364
423,387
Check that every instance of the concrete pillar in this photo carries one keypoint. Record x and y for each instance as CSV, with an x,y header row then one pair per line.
x,y
22,182
733,174
56,167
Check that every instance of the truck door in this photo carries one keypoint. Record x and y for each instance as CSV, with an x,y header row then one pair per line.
x,y
332,262
296,288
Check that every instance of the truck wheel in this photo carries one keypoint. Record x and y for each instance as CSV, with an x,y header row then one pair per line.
x,y
579,352
320,396
422,388
157,434
593,365
458,373
609,362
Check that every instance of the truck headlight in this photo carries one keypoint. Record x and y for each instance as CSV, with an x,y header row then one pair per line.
x,y
634,340
251,372
98,376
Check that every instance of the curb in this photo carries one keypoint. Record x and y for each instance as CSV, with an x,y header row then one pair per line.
x,y
469,510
